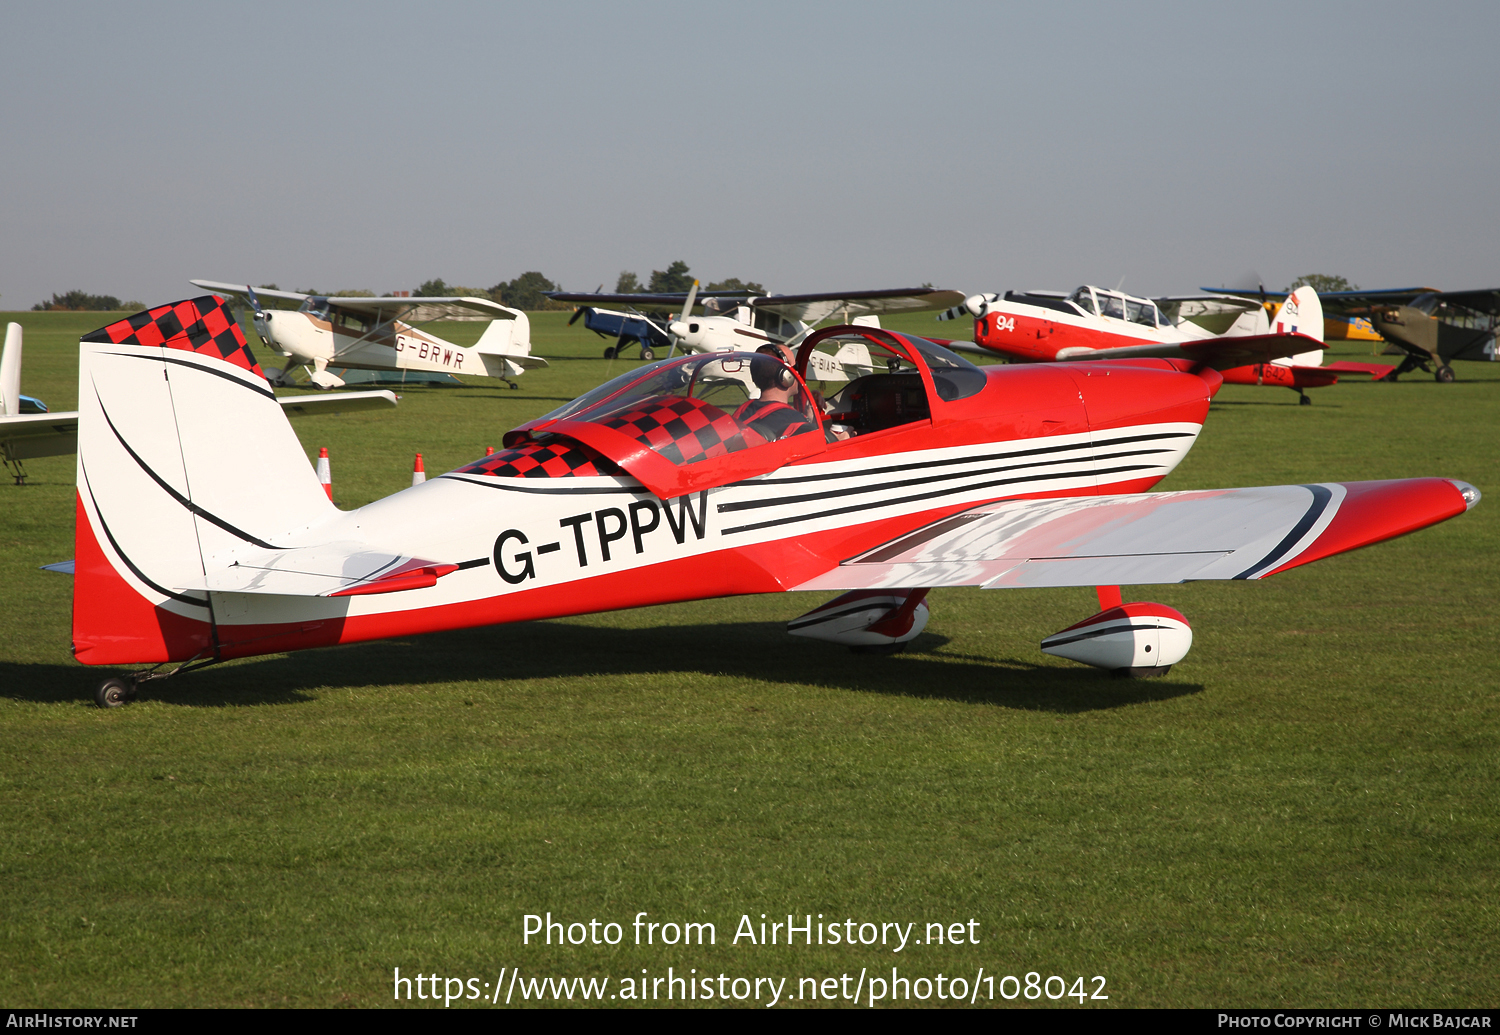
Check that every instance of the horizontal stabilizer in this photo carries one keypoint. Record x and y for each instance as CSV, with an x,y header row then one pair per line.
x,y
336,402
1151,538
330,570
1219,353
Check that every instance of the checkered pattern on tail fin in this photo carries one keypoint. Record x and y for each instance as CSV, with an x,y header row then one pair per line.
x,y
202,324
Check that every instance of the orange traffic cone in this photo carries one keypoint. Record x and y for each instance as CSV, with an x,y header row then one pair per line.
x,y
418,476
325,473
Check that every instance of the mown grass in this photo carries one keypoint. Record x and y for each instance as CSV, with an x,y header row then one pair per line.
x,y
1303,813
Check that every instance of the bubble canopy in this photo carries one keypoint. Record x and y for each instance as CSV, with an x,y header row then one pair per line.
x,y
691,422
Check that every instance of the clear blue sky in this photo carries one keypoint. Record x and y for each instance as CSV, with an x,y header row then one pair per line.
x,y
810,146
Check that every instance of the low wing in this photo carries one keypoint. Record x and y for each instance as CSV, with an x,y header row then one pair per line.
x,y
329,570
1220,353
1344,366
1149,538
30,435
56,434
811,309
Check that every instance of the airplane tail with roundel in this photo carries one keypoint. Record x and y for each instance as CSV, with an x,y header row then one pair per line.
x,y
184,457
1301,313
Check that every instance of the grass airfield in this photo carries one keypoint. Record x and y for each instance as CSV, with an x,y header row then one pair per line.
x,y
1305,812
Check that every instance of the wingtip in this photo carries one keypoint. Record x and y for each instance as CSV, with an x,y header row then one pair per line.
x,y
1471,495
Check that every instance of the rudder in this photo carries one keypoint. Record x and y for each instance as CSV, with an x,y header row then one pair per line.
x,y
184,456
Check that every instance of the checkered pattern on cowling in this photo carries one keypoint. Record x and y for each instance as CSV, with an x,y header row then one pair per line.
x,y
202,324
682,430
544,460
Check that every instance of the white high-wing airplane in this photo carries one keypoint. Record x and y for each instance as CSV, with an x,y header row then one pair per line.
x,y
368,334
734,320
31,431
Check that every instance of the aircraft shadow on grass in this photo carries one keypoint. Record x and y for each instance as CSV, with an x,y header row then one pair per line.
x,y
547,650
1221,405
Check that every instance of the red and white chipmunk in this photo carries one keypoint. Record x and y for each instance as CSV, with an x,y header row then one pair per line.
x,y
700,476
1236,336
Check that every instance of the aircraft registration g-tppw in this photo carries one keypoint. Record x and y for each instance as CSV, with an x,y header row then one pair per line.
x,y
700,476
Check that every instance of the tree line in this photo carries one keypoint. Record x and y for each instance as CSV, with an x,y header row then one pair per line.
x,y
82,301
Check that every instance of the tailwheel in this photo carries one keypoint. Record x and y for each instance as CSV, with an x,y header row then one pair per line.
x,y
114,692
1444,375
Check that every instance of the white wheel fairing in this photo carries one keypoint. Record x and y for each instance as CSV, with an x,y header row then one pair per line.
x,y
847,619
1148,637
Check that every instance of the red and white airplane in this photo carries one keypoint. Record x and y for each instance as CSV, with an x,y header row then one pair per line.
x,y
700,476
1234,335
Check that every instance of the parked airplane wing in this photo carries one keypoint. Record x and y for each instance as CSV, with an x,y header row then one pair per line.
x,y
811,309
219,287
1486,300
30,435
669,300
56,434
1344,300
1150,538
1223,353
494,310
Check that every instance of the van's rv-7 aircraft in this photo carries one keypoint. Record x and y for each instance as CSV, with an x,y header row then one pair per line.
x,y
693,477
29,430
368,334
1235,335
733,320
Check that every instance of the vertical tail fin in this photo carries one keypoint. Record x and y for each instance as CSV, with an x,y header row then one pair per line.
x,y
1301,313
505,347
10,372
183,455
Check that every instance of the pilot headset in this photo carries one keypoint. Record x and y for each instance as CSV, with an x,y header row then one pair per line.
x,y
783,374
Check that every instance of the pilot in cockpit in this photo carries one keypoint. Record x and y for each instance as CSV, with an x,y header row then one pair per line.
x,y
774,350
772,415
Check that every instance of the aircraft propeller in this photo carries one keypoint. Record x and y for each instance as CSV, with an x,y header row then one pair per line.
x,y
677,330
262,325
975,306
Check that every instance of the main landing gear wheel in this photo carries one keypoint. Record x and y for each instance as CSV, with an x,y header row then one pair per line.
x,y
1303,400
648,354
609,353
1141,673
113,693
1444,375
